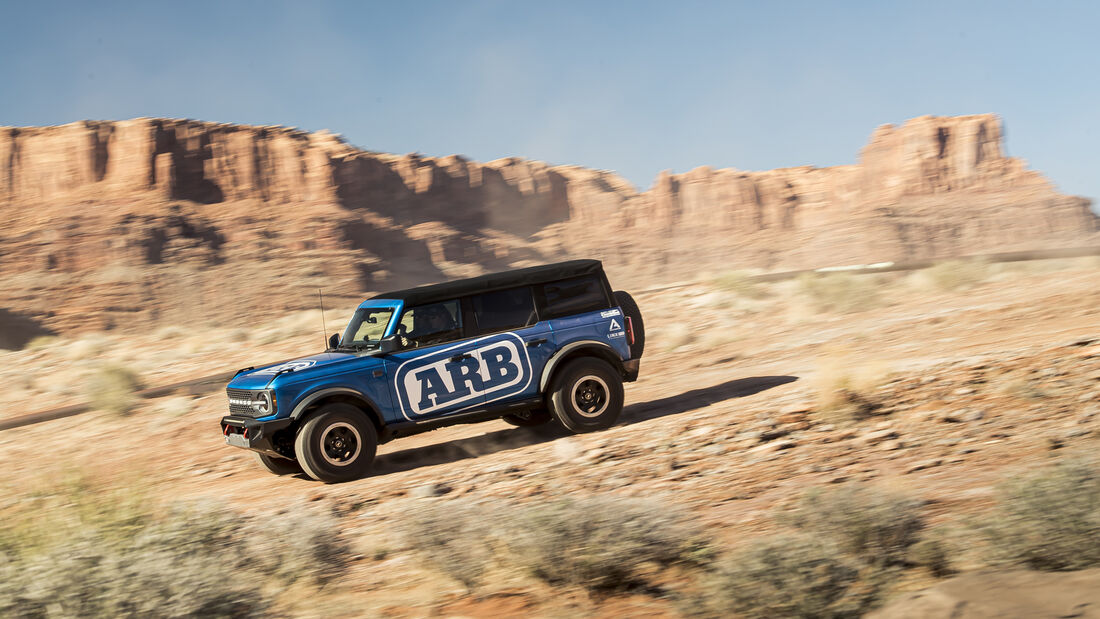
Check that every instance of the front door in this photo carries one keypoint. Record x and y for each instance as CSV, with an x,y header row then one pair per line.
x,y
439,374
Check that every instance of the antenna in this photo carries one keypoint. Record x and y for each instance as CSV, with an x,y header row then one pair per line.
x,y
324,329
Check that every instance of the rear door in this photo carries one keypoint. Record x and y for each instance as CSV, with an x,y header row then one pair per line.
x,y
509,317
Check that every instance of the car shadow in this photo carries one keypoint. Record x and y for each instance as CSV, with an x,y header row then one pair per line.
x,y
514,438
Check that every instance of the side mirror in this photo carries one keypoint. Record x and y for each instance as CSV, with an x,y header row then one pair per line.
x,y
333,340
387,344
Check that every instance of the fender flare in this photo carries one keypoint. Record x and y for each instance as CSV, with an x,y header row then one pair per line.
x,y
565,351
368,406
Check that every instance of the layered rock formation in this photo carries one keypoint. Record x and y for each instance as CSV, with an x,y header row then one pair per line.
x,y
131,223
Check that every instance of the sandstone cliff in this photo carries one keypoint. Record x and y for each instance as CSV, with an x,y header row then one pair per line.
x,y
123,224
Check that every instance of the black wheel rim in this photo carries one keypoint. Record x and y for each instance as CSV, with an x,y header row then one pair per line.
x,y
590,396
340,444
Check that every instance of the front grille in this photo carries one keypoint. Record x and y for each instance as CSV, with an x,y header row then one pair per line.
x,y
241,395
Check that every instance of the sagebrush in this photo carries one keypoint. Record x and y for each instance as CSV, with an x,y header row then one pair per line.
x,y
113,388
597,543
1048,519
90,551
788,575
876,526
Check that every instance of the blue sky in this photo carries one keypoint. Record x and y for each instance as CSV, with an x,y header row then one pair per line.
x,y
635,87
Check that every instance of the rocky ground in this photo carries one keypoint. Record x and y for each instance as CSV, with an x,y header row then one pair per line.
x,y
747,398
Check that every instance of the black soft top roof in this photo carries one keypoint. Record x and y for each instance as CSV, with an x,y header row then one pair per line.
x,y
494,281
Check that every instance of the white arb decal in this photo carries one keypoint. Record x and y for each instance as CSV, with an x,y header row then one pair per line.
x,y
290,366
494,366
615,326
609,313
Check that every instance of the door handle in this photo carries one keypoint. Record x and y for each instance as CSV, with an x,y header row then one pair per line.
x,y
538,342
460,357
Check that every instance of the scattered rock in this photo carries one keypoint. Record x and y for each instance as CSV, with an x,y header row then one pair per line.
x,y
568,449
773,446
878,436
774,433
963,415
429,490
923,464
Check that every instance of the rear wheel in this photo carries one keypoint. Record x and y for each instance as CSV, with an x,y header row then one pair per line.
x,y
528,419
278,466
587,395
336,444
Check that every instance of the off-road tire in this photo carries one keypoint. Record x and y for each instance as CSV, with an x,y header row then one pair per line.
x,y
587,395
630,308
336,444
278,466
533,418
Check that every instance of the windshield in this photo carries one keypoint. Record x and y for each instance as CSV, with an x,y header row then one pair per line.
x,y
367,326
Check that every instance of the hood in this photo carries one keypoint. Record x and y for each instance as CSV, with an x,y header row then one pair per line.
x,y
260,377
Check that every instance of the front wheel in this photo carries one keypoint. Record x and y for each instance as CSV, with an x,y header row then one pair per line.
x,y
587,395
336,444
279,466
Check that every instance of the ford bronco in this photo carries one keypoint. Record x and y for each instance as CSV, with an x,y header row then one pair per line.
x,y
543,344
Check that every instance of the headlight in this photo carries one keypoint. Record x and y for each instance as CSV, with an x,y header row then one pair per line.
x,y
263,403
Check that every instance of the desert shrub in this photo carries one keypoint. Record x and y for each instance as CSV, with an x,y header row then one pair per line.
x,y
932,553
88,347
176,406
113,388
875,526
1049,519
841,292
847,390
601,543
454,537
677,336
799,575
41,342
741,284
299,544
957,274
93,551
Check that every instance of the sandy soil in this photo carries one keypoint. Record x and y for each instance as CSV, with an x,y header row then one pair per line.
x,y
726,421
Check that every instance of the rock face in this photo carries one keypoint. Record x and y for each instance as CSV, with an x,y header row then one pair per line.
x,y
119,224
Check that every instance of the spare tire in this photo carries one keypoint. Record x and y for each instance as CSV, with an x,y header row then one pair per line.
x,y
630,308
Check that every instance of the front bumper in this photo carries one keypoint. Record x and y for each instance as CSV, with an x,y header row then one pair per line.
x,y
260,436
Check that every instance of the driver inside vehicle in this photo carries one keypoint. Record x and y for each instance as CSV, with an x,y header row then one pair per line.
x,y
433,325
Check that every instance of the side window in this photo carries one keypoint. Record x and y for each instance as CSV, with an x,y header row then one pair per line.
x,y
504,309
574,296
427,325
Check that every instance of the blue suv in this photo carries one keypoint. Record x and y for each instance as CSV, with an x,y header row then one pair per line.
x,y
529,346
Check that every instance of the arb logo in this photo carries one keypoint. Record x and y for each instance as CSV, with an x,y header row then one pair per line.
x,y
473,373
